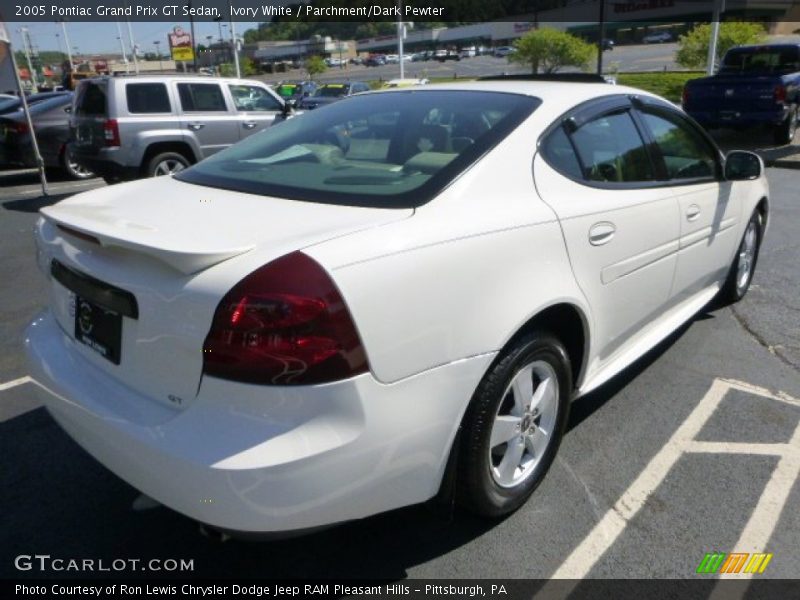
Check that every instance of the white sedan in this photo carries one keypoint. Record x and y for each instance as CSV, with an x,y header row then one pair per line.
x,y
333,317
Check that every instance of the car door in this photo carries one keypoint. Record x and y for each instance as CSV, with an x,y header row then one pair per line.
x,y
709,208
256,107
205,114
619,223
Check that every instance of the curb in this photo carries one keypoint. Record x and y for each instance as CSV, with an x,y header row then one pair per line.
x,y
785,163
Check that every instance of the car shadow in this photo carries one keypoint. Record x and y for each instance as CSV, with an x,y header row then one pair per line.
x,y
59,498
32,205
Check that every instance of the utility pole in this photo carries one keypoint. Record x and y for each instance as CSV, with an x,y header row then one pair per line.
x,y
235,46
194,45
66,39
719,8
601,34
133,47
122,48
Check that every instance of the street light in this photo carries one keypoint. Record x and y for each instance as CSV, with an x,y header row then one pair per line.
x,y
160,66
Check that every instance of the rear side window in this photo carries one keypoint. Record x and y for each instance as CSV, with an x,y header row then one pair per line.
x,y
611,150
147,98
201,97
91,100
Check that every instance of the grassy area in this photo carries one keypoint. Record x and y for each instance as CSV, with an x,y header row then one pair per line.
x,y
668,84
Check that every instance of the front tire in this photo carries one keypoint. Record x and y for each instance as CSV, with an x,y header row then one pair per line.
x,y
744,264
514,425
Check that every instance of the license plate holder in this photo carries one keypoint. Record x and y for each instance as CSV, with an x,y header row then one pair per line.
x,y
98,328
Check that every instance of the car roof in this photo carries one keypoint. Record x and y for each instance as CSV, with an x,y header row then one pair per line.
x,y
191,78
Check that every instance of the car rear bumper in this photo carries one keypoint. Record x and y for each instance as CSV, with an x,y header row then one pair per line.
x,y
258,458
102,162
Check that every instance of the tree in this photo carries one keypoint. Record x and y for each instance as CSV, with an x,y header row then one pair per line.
x,y
693,47
315,65
549,50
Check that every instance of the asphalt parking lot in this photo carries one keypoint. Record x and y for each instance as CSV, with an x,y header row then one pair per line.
x,y
695,449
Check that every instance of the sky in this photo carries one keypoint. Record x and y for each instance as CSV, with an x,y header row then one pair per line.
x,y
95,38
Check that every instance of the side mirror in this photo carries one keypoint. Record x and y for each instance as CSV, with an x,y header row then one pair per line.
x,y
67,109
741,166
287,109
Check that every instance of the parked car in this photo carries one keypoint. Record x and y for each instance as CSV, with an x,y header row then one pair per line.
x,y
357,60
329,320
375,60
443,55
398,83
13,103
657,37
125,128
50,119
607,44
293,92
392,59
755,86
470,52
503,51
332,92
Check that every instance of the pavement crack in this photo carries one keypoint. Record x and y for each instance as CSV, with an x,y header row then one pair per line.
x,y
772,349
599,512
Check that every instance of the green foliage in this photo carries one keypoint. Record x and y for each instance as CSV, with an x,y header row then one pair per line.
x,y
693,47
315,65
549,50
667,84
246,66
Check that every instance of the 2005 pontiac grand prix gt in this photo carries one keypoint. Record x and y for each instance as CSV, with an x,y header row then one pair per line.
x,y
306,327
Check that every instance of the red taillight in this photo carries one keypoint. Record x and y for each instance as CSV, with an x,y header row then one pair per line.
x,y
685,96
20,127
111,132
284,324
779,94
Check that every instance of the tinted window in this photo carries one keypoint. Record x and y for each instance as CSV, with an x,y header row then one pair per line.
x,y
384,150
762,59
251,98
201,97
147,98
611,149
558,151
91,99
686,154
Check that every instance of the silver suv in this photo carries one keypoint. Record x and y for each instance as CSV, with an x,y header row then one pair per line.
x,y
129,127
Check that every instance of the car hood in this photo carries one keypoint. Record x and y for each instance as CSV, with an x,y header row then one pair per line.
x,y
191,227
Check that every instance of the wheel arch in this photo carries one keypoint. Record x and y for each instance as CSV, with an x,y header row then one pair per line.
x,y
156,148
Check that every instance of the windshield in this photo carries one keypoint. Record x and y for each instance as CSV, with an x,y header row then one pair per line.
x,y
332,90
763,59
392,149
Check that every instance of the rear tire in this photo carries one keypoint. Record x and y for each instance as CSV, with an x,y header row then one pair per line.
x,y
744,264
784,133
514,425
166,163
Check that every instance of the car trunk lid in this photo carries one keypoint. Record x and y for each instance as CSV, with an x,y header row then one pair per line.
x,y
159,241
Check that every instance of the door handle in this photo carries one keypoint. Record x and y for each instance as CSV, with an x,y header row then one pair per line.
x,y
692,212
196,126
249,124
601,233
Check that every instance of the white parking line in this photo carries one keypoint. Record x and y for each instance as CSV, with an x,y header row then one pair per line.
x,y
14,383
763,520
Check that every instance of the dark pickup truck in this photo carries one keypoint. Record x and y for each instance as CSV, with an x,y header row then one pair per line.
x,y
755,86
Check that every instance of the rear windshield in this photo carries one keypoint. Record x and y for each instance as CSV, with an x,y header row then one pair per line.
x,y
91,99
393,149
763,59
